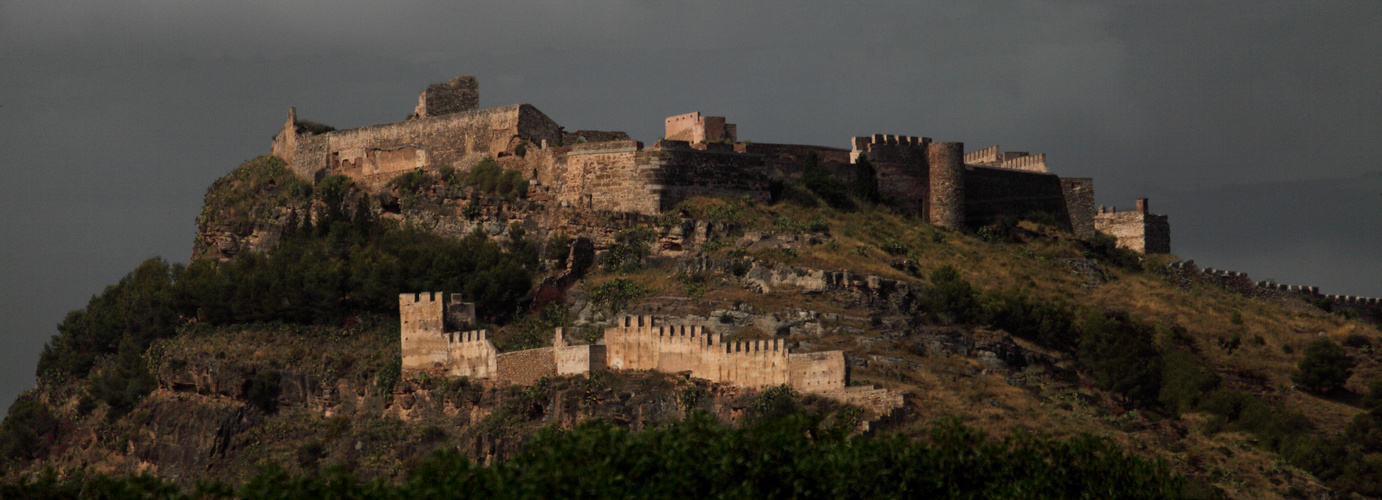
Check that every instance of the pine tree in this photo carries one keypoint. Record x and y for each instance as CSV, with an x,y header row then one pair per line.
x,y
865,180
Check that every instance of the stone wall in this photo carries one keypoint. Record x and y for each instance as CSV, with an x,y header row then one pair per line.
x,y
605,176
694,128
1138,230
1368,308
375,154
783,161
460,94
527,366
901,164
993,193
1079,204
634,343
677,172
471,354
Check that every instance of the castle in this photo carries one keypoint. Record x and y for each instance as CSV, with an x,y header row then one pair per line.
x,y
699,156
633,343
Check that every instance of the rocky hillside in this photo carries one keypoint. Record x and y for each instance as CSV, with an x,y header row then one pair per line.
x,y
279,344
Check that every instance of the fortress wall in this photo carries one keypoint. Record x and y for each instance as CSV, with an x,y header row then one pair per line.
x,y
1033,163
1079,205
309,156
460,94
983,156
471,354
992,193
902,168
1156,234
420,330
606,176
1126,226
817,371
676,172
752,363
527,366
579,359
783,161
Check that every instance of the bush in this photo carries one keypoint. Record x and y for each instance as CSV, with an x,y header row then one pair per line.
x,y
819,181
950,298
613,295
411,181
489,177
865,185
558,248
1357,341
263,389
1119,352
1325,366
630,247
773,403
1185,383
28,429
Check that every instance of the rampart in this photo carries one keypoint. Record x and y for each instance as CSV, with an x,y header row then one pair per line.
x,y
1138,230
902,166
992,193
1368,308
460,94
1032,163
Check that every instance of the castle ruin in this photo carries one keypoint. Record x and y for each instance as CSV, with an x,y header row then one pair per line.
x,y
700,155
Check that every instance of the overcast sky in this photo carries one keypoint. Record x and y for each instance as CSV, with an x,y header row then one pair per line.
x,y
1256,125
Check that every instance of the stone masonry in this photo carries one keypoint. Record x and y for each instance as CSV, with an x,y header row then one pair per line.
x,y
599,171
1138,230
633,343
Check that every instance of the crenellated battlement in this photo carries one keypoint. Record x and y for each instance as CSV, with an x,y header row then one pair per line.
x,y
1031,163
983,156
472,336
1369,307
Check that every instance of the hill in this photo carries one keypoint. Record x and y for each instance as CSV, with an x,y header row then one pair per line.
x,y
278,344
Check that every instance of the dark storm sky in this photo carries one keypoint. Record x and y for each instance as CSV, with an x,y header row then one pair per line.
x,y
1256,125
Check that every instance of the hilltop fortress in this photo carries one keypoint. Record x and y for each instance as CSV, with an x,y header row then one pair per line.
x,y
601,171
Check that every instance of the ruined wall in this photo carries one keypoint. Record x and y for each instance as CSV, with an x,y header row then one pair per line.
x,y
576,359
992,193
817,371
1138,230
783,161
527,366
1079,204
420,329
676,172
460,94
376,154
947,191
605,176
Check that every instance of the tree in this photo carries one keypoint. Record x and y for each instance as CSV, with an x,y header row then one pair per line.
x,y
865,185
1325,366
1119,352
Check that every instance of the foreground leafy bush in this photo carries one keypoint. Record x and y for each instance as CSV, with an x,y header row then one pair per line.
x,y
1325,366
793,457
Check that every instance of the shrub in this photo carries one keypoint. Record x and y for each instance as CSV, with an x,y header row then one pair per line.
x,y
819,181
1185,383
489,177
1119,352
773,403
388,376
1048,323
263,389
629,249
411,181
310,453
1104,246
615,294
1357,341
558,248
1325,366
950,298
865,185
27,430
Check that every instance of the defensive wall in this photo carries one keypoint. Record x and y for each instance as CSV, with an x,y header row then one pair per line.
x,y
633,343
1369,308
375,154
1138,230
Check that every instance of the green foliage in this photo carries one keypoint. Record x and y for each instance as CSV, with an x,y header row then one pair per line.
x,y
1185,383
895,247
773,403
388,376
790,192
691,397
613,295
313,128
1002,230
1372,401
250,192
263,389
794,457
865,185
310,453
558,248
950,298
1325,366
693,284
1105,247
1050,323
534,330
123,382
815,225
1119,352
630,247
489,177
521,150
28,429
411,181
1357,341
818,180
